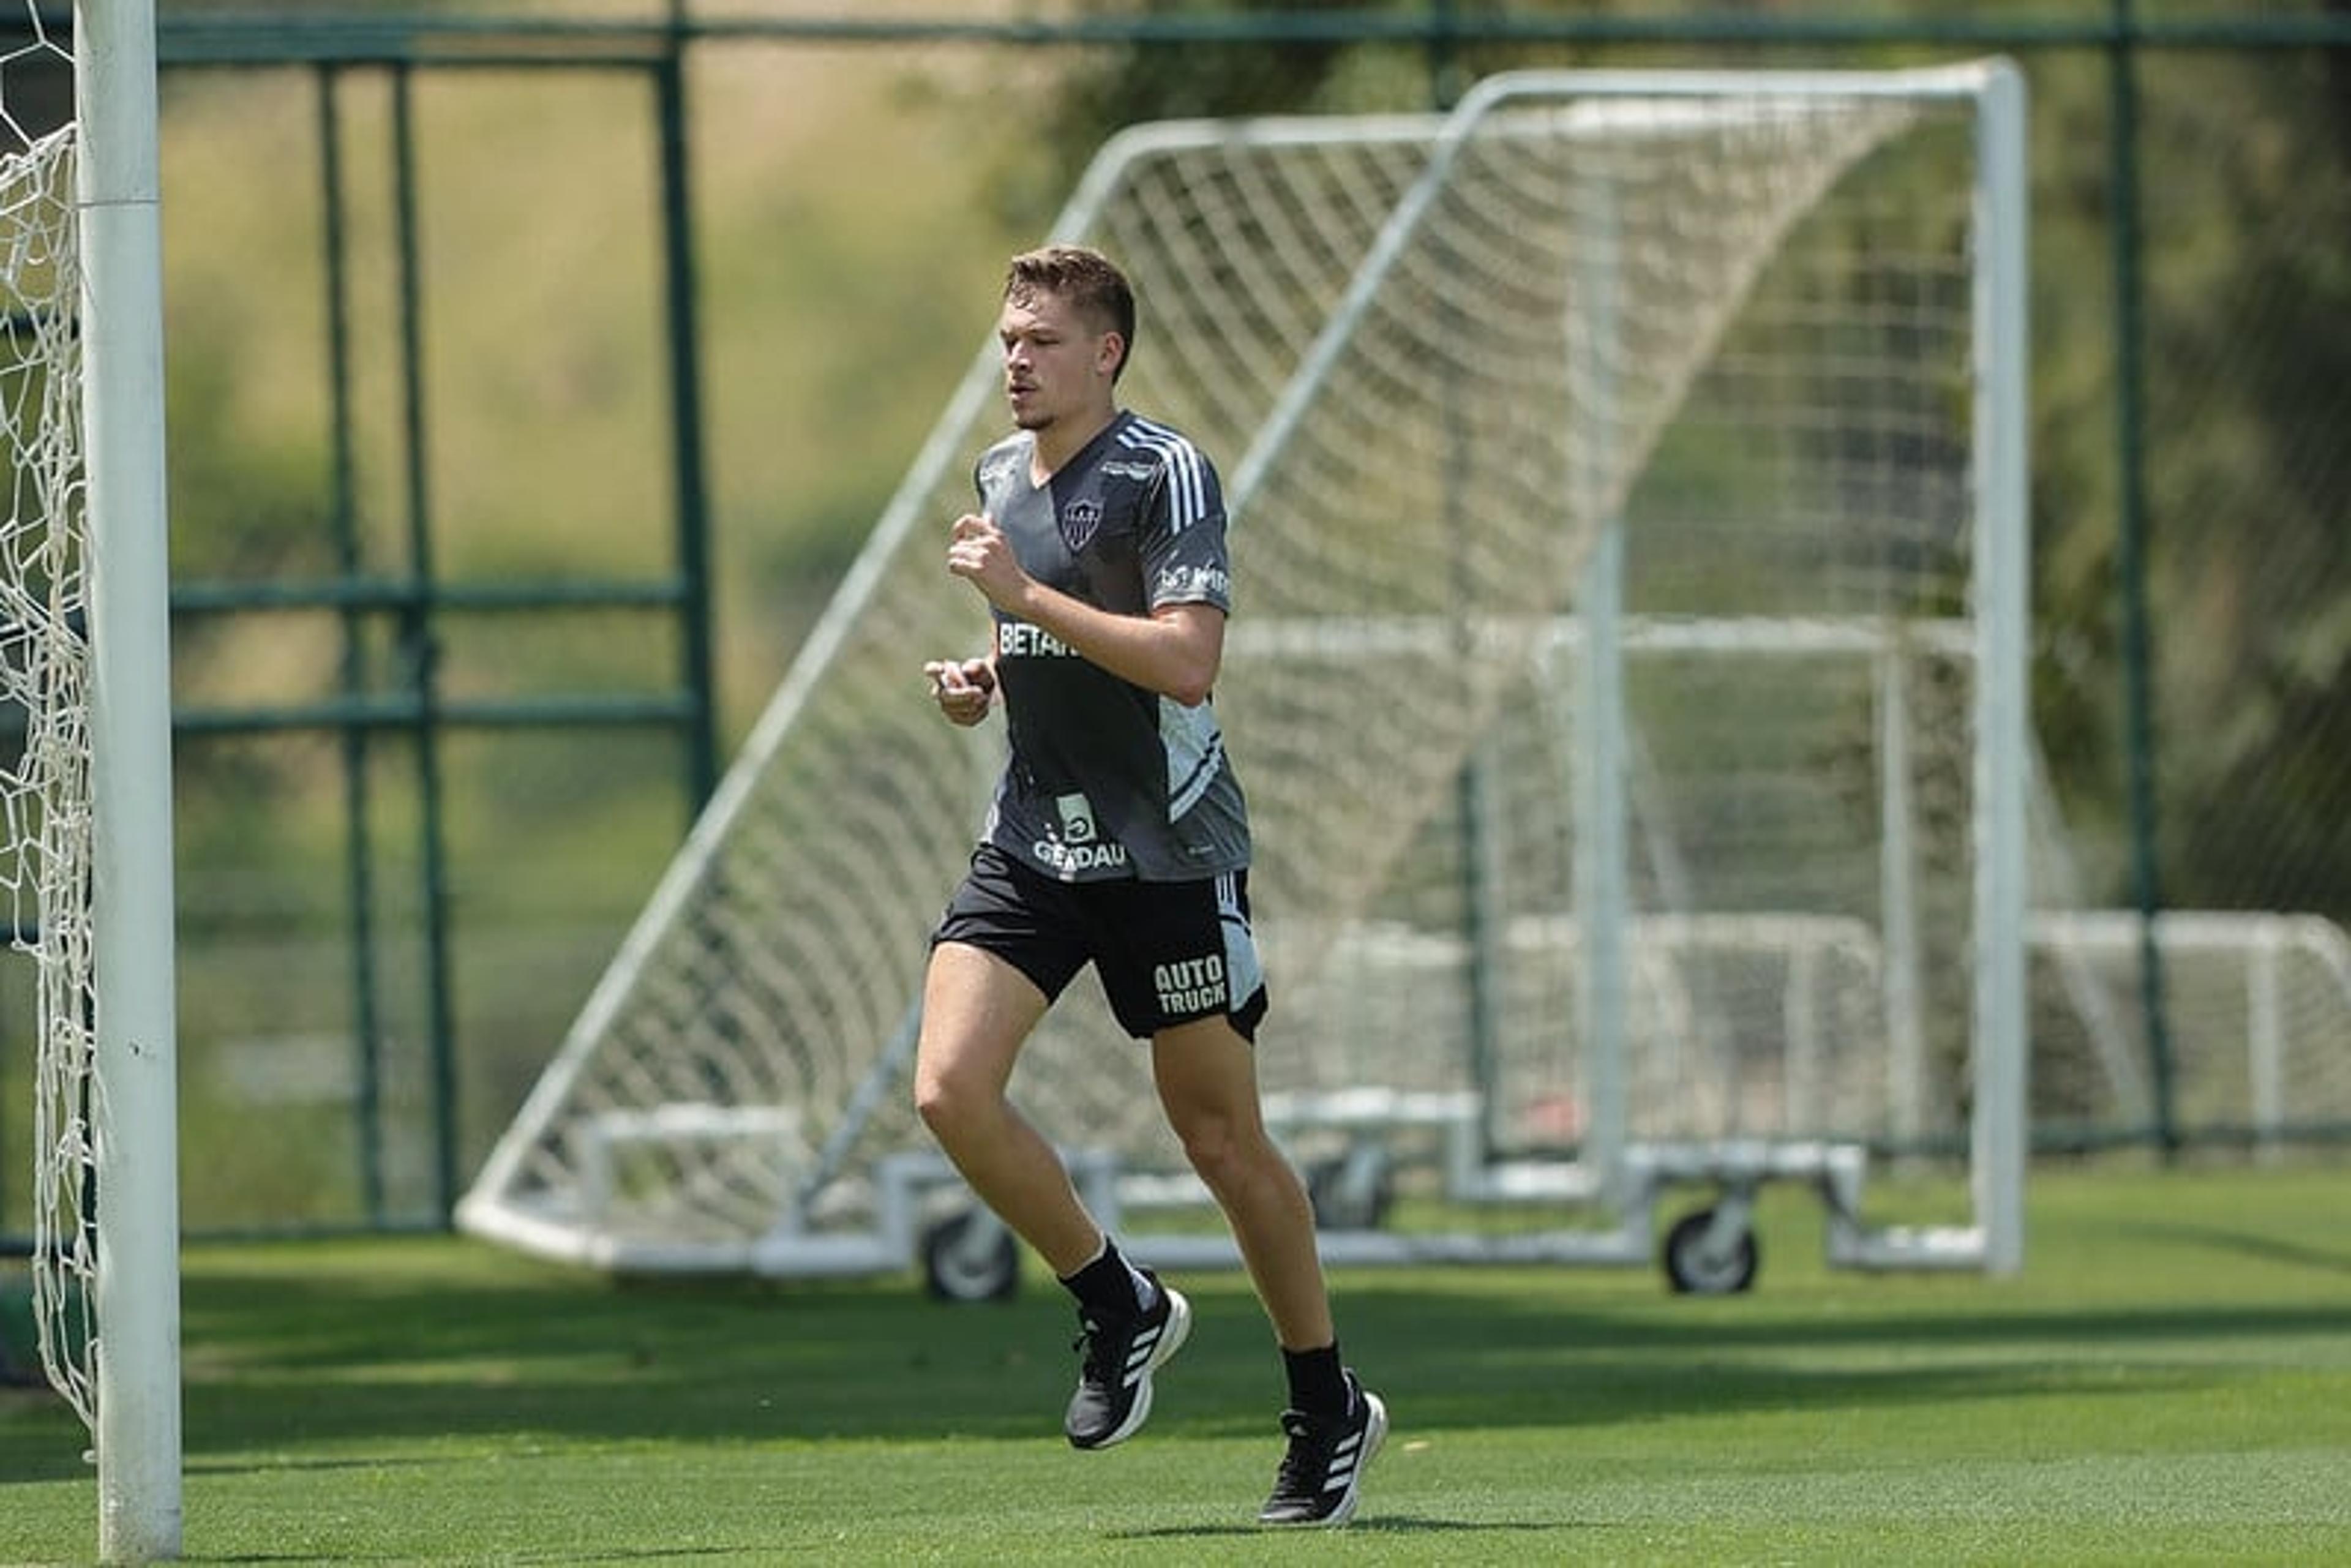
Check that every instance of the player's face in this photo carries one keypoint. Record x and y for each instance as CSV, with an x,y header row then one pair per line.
x,y
1056,368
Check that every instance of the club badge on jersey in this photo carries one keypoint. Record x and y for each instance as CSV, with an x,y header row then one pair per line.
x,y
1078,521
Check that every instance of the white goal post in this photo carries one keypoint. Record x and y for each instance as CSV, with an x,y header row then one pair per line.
x,y
1649,448
84,643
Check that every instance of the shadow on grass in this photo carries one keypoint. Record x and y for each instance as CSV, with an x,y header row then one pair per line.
x,y
307,1463
607,1554
2241,1244
426,1340
1386,1524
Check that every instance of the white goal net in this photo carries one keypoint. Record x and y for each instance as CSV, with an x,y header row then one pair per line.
x,y
44,782
1614,673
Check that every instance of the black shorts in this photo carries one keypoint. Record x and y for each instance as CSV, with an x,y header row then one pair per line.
x,y
1168,952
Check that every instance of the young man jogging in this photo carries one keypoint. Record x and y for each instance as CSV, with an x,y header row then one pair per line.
x,y
1118,837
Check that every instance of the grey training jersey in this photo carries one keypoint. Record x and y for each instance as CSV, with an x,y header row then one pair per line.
x,y
1107,779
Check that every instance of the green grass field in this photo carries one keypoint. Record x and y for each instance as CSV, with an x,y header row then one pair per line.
x,y
2170,1380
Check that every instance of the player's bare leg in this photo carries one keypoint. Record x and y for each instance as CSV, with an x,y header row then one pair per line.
x,y
1207,1075
978,1011
1207,1081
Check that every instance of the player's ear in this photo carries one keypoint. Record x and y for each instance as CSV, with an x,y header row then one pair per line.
x,y
1110,354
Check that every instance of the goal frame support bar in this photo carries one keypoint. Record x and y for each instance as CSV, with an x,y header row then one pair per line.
x,y
135,1104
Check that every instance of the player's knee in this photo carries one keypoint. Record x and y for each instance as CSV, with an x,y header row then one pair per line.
x,y
949,1102
1224,1151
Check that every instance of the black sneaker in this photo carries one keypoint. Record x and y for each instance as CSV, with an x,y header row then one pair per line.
x,y
1118,1357
1323,1475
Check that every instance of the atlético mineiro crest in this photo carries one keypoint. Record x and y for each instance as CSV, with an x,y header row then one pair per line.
x,y
1078,522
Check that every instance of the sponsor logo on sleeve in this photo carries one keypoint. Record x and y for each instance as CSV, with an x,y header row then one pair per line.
x,y
1191,584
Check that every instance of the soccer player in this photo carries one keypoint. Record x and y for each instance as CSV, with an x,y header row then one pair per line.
x,y
1118,837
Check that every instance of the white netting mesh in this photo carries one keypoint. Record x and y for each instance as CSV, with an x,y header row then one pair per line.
x,y
1431,371
2258,1005
44,862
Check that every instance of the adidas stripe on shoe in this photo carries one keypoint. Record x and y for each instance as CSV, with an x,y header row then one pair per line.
x,y
1117,1357
1321,1475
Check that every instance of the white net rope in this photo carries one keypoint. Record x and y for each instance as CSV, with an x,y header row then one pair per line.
x,y
44,789
1430,374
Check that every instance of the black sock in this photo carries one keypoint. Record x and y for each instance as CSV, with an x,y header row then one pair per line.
x,y
1106,1285
1318,1382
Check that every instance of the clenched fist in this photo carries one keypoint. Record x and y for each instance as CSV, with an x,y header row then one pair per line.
x,y
978,552
965,689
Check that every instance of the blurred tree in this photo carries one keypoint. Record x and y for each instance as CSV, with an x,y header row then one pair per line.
x,y
1131,84
2251,391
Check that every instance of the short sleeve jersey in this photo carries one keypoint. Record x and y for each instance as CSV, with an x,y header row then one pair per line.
x,y
1107,778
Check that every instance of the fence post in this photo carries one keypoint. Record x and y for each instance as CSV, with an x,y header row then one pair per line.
x,y
685,334
358,849
1444,68
2147,885
420,641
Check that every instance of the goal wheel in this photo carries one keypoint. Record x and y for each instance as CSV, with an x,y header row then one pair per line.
x,y
1700,1263
971,1257
1353,1191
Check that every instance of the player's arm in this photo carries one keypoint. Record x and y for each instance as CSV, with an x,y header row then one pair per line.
x,y
1175,651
